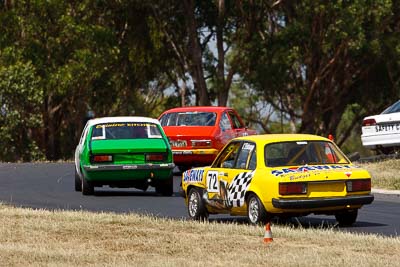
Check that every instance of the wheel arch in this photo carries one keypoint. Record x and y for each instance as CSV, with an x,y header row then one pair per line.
x,y
260,197
202,189
188,188
254,192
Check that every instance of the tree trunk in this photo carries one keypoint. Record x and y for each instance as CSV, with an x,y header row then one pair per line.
x,y
196,63
183,93
222,89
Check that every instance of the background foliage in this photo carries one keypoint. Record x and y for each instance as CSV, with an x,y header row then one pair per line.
x,y
287,66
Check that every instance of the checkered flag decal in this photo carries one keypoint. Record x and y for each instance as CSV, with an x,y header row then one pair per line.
x,y
237,189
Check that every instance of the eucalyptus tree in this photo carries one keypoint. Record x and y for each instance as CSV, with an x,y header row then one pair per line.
x,y
201,36
105,57
312,59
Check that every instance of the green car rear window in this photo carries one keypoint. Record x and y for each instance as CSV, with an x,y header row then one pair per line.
x,y
125,130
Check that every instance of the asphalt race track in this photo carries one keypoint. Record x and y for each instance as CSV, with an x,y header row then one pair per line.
x,y
51,186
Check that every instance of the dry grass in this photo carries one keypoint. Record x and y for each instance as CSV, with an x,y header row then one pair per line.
x,y
45,238
385,174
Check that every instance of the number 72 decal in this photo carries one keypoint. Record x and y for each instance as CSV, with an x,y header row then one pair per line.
x,y
212,182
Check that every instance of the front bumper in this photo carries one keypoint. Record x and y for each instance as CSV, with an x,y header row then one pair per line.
x,y
321,202
128,167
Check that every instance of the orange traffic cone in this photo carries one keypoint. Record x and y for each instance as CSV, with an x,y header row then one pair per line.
x,y
268,234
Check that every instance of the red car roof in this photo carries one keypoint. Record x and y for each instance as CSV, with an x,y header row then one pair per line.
x,y
198,108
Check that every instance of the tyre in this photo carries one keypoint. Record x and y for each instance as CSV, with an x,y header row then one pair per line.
x,y
346,218
196,208
166,188
87,187
256,213
78,182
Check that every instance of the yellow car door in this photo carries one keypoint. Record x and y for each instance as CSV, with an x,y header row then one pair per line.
x,y
227,179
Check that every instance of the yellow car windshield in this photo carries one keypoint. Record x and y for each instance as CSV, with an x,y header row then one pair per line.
x,y
297,153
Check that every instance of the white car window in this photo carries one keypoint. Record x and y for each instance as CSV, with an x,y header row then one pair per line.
x,y
393,108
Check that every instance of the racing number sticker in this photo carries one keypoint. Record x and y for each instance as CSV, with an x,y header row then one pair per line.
x,y
212,182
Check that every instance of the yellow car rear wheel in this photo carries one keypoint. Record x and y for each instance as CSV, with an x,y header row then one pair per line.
x,y
346,218
256,213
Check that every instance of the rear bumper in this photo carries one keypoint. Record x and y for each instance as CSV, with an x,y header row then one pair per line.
x,y
125,174
380,139
194,157
209,151
321,202
128,167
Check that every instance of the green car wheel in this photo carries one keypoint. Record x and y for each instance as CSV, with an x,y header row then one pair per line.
x,y
165,188
87,187
78,182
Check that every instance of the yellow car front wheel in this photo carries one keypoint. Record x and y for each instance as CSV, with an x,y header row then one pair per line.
x,y
196,207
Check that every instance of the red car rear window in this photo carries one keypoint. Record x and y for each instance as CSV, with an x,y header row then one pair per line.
x,y
189,119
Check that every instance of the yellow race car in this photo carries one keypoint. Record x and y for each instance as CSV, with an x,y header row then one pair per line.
x,y
262,176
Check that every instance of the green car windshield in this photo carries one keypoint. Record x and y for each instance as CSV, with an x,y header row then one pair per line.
x,y
302,153
125,130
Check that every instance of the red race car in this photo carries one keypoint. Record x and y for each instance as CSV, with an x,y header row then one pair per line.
x,y
197,134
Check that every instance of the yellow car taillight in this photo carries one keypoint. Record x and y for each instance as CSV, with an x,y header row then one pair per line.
x,y
358,185
292,188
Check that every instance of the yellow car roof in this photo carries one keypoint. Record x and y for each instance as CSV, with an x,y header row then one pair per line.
x,y
271,138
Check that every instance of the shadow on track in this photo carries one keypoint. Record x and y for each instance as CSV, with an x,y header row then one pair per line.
x,y
299,222
129,193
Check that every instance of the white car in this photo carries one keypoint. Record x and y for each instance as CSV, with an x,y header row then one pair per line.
x,y
382,132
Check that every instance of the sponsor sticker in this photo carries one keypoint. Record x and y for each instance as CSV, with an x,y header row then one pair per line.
x,y
134,124
182,152
248,146
303,169
193,176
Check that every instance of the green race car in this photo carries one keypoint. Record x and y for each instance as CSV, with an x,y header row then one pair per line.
x,y
123,152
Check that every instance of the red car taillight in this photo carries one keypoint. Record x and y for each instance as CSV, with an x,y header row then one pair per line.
x,y
358,185
292,188
369,122
155,157
102,158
